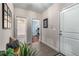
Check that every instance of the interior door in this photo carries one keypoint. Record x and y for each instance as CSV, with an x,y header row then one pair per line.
x,y
69,31
21,29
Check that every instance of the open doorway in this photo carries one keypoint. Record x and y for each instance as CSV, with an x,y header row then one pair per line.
x,y
35,30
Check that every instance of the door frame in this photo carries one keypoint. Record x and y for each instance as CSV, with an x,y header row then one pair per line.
x,y
40,27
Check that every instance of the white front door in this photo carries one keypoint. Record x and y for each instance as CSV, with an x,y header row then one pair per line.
x,y
69,28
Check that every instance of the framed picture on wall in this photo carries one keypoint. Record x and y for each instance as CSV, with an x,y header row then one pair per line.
x,y
45,23
6,16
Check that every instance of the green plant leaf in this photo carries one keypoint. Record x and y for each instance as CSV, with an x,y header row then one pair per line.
x,y
10,52
25,50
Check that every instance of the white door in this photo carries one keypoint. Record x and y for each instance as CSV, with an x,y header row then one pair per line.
x,y
21,29
69,28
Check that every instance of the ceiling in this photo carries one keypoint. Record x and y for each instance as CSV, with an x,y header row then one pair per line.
x,y
37,7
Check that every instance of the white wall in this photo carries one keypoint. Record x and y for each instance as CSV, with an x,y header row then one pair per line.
x,y
50,35
29,15
5,33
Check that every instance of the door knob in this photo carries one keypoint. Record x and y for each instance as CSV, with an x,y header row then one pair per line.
x,y
60,33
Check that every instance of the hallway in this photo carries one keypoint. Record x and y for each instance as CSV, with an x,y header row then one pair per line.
x,y
43,50
57,31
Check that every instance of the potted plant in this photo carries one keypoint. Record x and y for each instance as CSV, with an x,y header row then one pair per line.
x,y
10,52
26,50
2,53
